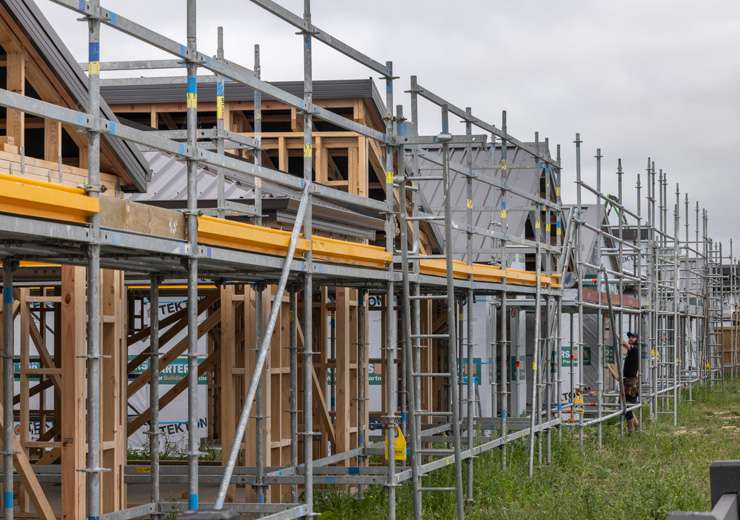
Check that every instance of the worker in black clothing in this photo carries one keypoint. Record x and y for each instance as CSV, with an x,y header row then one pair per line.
x,y
631,377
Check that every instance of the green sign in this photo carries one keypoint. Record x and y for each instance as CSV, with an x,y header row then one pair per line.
x,y
565,357
172,373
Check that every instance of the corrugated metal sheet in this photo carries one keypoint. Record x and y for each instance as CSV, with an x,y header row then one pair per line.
x,y
63,64
168,181
487,200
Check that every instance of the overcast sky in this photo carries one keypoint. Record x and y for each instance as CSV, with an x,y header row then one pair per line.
x,y
636,78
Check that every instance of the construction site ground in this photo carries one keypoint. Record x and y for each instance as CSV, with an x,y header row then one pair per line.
x,y
644,475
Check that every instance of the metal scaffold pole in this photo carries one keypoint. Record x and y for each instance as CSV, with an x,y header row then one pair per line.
x,y
534,418
469,295
93,468
451,315
308,260
259,441
220,100
579,266
676,289
9,266
599,314
154,447
390,374
293,397
192,233
408,351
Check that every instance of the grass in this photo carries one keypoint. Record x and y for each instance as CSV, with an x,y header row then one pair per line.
x,y
642,476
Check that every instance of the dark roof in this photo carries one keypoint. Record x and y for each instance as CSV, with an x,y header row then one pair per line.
x,y
174,92
66,68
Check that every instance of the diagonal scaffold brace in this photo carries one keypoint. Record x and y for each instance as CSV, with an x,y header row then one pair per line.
x,y
262,352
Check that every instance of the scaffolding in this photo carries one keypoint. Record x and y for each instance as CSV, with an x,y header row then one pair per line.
x,y
533,285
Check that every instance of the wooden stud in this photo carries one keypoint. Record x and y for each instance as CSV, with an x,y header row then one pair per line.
x,y
16,82
73,320
342,371
52,140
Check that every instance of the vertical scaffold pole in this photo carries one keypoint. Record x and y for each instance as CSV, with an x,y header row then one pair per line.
x,y
257,154
408,354
220,91
579,263
293,397
599,313
154,387
535,358
451,318
391,380
308,261
8,351
192,209
470,297
504,319
638,275
93,468
259,445
676,288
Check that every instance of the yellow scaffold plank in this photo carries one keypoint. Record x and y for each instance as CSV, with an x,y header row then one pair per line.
x,y
345,252
249,237
45,199
259,239
488,273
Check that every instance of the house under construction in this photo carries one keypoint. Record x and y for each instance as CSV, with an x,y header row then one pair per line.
x,y
225,293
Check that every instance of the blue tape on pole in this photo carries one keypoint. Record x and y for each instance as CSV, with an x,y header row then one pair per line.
x,y
353,470
112,127
113,18
182,148
93,51
192,85
93,518
504,414
183,51
8,499
193,502
220,88
7,296
82,4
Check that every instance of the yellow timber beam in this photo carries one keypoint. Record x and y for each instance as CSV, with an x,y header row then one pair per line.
x,y
45,199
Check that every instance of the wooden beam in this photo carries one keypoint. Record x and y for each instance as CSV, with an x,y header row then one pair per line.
x,y
52,140
73,393
226,379
282,154
114,378
16,82
342,371
321,164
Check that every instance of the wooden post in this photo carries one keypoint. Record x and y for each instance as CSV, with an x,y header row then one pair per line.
x,y
52,140
227,363
342,371
282,154
16,82
73,393
362,167
113,414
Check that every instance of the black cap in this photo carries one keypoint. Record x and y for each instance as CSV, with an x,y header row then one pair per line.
x,y
630,335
